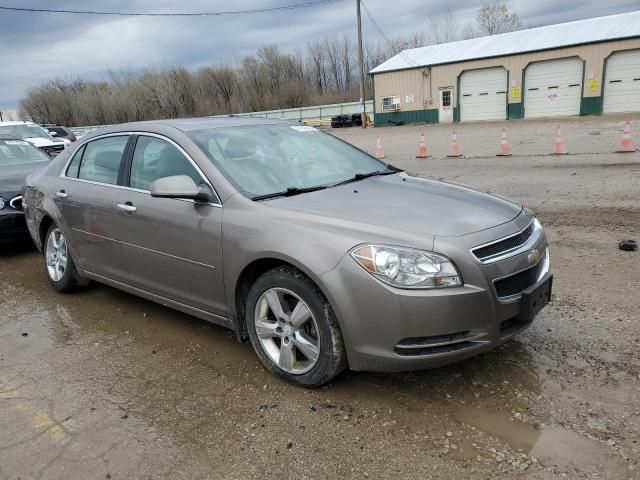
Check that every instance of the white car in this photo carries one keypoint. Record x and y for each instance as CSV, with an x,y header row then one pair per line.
x,y
35,135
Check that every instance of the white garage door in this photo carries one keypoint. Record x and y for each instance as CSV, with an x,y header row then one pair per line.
x,y
483,94
553,88
622,83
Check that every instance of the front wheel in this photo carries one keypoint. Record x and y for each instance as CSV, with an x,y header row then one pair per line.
x,y
61,270
294,329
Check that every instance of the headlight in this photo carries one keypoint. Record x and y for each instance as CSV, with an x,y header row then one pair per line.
x,y
407,267
2,203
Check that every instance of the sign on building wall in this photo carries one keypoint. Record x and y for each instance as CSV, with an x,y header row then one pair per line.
x,y
515,93
593,85
410,99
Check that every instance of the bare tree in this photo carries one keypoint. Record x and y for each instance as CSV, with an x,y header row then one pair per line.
x,y
468,32
494,18
444,27
269,79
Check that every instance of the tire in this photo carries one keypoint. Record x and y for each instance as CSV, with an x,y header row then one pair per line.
x,y
58,262
297,298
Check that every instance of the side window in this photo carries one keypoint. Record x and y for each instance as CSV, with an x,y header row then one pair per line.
x,y
101,159
155,158
74,166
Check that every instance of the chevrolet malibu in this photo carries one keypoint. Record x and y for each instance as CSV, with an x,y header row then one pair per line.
x,y
319,254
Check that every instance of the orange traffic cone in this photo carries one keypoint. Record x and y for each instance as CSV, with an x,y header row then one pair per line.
x,y
560,148
626,142
505,149
454,151
422,149
379,151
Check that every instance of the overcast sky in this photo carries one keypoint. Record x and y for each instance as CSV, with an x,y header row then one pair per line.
x,y
38,46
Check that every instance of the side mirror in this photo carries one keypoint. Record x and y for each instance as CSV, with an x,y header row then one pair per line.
x,y
180,186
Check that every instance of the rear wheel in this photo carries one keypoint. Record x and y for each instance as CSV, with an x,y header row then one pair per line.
x,y
294,329
61,270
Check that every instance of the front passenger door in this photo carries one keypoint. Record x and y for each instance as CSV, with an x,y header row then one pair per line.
x,y
172,246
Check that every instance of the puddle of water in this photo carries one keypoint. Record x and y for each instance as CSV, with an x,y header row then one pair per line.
x,y
517,434
566,449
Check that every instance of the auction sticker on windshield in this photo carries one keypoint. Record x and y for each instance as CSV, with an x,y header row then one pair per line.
x,y
304,128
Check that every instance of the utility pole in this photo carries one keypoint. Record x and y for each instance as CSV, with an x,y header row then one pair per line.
x,y
361,62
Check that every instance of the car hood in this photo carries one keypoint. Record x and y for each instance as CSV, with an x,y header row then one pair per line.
x,y
408,204
13,177
40,141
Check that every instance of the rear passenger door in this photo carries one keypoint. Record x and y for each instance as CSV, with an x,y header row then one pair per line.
x,y
86,196
172,246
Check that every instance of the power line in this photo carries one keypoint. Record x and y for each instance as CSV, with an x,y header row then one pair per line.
x,y
386,39
174,14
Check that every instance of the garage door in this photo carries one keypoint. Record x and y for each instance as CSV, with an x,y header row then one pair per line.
x,y
483,94
622,83
553,88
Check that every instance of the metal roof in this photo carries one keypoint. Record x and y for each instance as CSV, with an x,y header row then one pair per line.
x,y
599,29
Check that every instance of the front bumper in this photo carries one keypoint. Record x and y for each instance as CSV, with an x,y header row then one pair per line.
x,y
13,227
391,329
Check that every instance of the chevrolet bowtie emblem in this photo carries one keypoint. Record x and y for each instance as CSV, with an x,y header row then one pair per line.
x,y
534,256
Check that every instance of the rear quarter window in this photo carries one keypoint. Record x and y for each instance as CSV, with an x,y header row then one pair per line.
x,y
74,165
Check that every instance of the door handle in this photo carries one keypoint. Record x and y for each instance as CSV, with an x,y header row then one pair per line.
x,y
62,194
126,207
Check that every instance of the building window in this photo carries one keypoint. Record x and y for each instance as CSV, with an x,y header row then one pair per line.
x,y
446,98
390,103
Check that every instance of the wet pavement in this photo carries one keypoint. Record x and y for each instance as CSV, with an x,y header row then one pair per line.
x,y
101,384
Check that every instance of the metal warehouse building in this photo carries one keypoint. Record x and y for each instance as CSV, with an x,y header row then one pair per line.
x,y
587,67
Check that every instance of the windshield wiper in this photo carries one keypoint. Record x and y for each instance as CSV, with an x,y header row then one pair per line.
x,y
289,192
361,176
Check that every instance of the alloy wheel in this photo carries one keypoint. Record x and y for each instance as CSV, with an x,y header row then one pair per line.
x,y
287,330
56,254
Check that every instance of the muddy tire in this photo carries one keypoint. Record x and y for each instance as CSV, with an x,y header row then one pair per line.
x,y
59,264
293,328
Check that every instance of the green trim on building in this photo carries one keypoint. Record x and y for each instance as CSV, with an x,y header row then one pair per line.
x,y
456,113
591,106
515,111
415,116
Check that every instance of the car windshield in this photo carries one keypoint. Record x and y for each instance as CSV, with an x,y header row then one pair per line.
x,y
24,131
19,152
269,159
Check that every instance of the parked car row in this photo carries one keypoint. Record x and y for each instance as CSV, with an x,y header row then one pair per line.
x,y
341,121
299,242
36,135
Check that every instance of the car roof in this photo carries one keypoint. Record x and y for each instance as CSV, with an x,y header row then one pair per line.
x,y
190,124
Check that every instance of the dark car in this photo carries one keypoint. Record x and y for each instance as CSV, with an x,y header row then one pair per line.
x,y
340,121
61,132
18,158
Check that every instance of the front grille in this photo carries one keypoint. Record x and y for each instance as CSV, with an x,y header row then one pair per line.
x,y
53,150
16,203
513,285
439,344
486,252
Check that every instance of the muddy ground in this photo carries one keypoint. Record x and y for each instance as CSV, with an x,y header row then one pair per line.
x,y
101,384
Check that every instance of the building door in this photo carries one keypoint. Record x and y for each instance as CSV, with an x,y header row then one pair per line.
x,y
483,94
622,83
553,88
445,113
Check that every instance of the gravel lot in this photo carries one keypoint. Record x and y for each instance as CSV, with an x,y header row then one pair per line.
x,y
101,384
